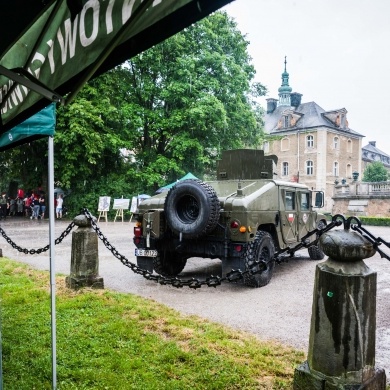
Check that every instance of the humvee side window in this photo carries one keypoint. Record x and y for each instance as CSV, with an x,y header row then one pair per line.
x,y
289,200
304,201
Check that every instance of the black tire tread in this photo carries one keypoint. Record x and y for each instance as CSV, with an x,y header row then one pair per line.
x,y
251,255
213,205
169,264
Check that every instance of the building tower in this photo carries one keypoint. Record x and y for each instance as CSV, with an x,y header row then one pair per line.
x,y
285,89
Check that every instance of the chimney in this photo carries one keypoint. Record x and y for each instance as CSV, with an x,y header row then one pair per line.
x,y
271,105
296,99
373,143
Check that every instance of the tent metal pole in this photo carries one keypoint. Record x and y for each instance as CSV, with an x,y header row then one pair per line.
x,y
52,261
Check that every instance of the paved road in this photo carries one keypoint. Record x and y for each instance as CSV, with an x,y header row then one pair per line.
x,y
280,311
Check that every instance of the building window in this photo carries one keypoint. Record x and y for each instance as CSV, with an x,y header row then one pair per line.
x,y
349,171
285,169
310,141
285,144
335,168
349,146
286,122
309,167
336,144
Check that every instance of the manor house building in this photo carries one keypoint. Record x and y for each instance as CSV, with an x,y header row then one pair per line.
x,y
314,146
370,153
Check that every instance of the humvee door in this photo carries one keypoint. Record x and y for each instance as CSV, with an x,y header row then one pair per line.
x,y
304,212
288,215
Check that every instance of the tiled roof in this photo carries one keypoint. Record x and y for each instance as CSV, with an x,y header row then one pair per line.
x,y
311,116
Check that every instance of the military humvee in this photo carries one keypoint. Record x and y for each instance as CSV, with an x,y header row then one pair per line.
x,y
244,216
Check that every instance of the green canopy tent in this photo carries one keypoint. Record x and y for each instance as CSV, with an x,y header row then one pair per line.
x,y
50,48
189,175
42,124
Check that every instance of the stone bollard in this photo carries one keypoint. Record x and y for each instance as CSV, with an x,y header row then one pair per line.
x,y
84,267
342,334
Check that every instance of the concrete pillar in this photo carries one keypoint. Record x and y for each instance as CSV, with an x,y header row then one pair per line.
x,y
84,267
342,334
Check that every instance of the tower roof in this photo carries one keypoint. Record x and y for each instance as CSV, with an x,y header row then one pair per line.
x,y
285,89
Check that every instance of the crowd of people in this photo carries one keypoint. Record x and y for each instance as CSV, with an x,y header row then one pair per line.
x,y
32,206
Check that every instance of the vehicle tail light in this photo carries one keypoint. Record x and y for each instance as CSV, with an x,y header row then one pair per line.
x,y
137,231
234,224
238,248
137,240
242,229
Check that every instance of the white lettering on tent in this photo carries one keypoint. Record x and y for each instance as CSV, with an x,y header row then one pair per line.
x,y
50,56
70,39
127,10
109,26
95,6
5,89
17,96
39,58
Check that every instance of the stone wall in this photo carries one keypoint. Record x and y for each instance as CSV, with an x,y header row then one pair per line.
x,y
362,199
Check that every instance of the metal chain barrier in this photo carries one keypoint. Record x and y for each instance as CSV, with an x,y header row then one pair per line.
x,y
236,275
213,281
305,243
40,250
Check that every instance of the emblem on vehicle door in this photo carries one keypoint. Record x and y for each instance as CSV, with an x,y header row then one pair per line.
x,y
304,217
290,218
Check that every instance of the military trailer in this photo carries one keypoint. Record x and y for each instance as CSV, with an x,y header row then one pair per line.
x,y
242,217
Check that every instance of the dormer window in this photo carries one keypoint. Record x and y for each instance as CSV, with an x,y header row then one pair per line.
x,y
343,121
286,121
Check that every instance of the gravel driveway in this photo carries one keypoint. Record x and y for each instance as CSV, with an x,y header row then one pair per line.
x,y
280,311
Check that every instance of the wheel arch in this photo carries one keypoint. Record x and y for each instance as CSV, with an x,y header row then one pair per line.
x,y
271,230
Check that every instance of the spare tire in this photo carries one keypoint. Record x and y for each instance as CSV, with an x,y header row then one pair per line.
x,y
192,208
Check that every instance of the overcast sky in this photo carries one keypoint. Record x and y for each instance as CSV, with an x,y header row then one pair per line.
x,y
338,55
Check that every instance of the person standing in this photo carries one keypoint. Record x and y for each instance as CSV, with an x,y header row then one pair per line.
x,y
3,206
12,206
60,202
35,207
27,205
42,204
19,206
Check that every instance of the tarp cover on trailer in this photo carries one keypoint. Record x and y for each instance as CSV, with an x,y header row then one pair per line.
x,y
63,43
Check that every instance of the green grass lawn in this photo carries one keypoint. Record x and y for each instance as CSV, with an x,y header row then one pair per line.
x,y
109,340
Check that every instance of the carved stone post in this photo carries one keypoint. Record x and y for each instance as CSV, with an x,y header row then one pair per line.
x,y
84,267
342,335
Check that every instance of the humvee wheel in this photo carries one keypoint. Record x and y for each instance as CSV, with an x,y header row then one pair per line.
x,y
262,248
145,263
192,208
315,252
169,263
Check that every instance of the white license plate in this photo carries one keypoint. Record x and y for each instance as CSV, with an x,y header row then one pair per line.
x,y
146,252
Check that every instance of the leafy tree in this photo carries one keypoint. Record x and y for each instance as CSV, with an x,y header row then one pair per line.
x,y
375,172
190,97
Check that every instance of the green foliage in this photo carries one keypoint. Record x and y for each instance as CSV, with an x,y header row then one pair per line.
x,y
375,172
375,221
108,340
168,111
